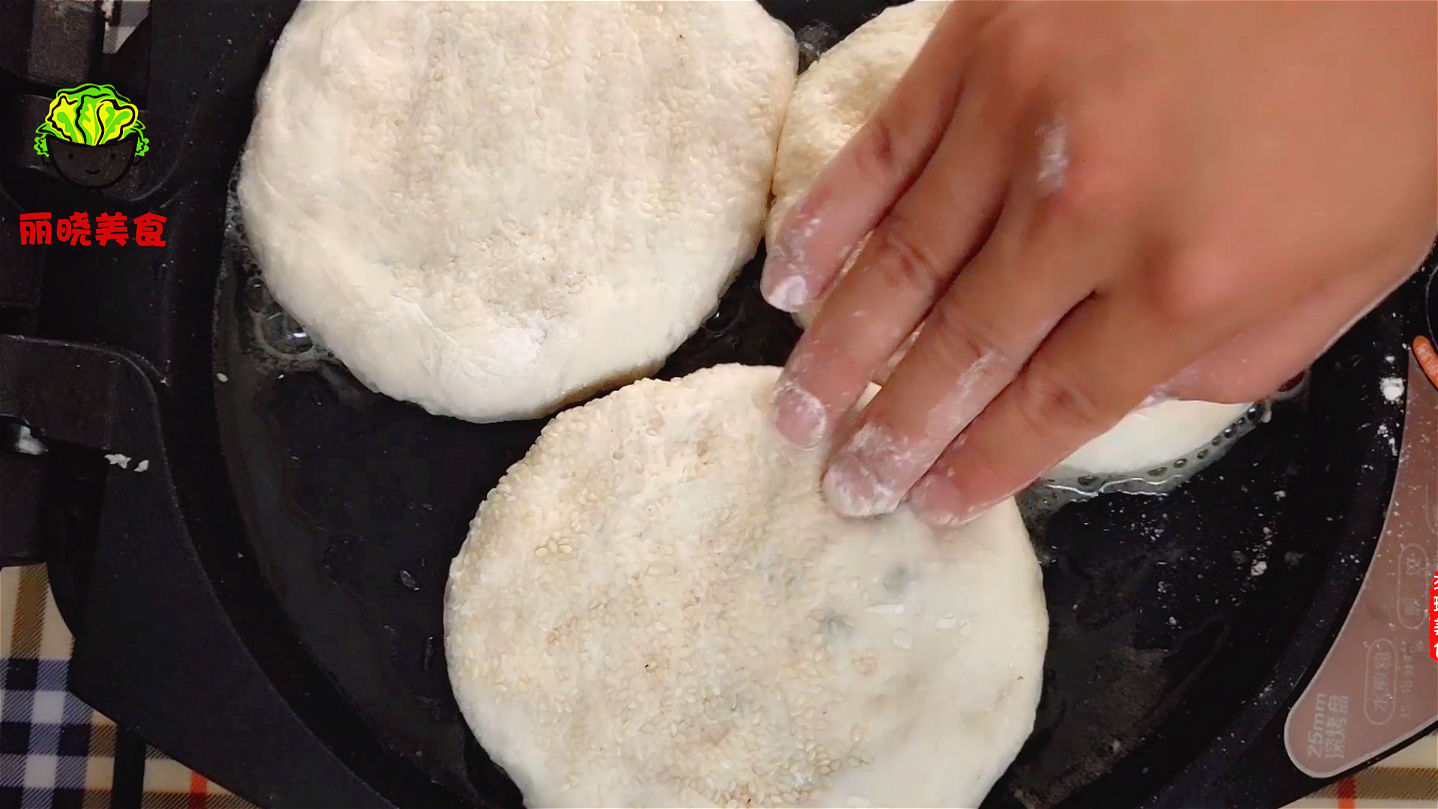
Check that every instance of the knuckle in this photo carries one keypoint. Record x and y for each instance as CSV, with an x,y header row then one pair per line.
x,y
1054,404
832,369
1018,47
904,261
977,469
1108,163
887,446
1094,191
971,463
876,150
959,338
1188,289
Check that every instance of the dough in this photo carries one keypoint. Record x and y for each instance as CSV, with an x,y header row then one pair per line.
x,y
832,100
655,607
839,92
493,209
1151,436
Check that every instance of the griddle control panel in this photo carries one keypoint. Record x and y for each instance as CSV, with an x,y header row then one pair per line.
x,y
1378,685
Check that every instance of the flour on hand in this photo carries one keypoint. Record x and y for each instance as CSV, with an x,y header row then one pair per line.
x,y
831,101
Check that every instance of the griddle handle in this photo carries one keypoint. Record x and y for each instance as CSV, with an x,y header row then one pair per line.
x,y
20,541
62,395
155,649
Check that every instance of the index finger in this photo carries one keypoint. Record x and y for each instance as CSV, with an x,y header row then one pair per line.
x,y
882,159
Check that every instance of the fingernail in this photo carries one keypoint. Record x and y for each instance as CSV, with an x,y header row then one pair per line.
x,y
937,503
788,295
853,489
780,285
798,414
782,281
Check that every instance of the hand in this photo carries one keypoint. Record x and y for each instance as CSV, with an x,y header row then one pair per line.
x,y
1088,204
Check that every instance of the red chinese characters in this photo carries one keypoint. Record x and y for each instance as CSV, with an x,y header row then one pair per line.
x,y
150,230
1433,618
110,227
74,229
37,229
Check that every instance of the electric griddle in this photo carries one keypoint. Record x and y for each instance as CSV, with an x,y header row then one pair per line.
x,y
257,591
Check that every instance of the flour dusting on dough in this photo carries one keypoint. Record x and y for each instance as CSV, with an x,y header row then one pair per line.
x,y
518,203
660,568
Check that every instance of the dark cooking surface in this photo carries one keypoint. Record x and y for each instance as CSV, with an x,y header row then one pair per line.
x,y
329,538
306,524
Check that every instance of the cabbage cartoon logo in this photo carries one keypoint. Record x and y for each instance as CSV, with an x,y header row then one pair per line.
x,y
91,135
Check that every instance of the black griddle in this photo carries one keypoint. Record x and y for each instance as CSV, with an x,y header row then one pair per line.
x,y
264,602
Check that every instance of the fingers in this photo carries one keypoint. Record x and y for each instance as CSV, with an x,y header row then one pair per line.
x,y
907,262
1088,374
979,334
873,169
1091,371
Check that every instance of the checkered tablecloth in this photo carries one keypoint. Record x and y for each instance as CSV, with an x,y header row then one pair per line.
x,y
54,750
57,752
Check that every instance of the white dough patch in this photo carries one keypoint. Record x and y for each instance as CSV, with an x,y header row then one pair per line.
x,y
1392,388
27,444
1152,436
655,607
493,209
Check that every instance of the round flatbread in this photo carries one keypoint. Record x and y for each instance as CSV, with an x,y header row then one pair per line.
x,y
655,607
493,209
832,100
